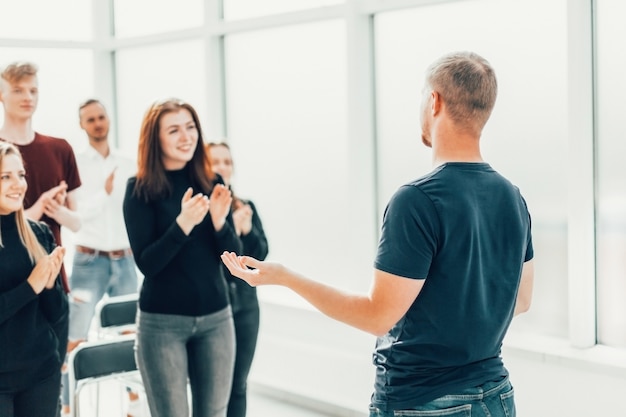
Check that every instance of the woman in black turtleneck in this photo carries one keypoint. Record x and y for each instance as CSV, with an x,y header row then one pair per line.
x,y
243,297
177,233
32,301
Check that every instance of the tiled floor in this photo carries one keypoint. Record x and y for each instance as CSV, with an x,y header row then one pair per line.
x,y
113,403
260,405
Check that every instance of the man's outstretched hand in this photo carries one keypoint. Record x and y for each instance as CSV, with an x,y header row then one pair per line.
x,y
263,273
238,266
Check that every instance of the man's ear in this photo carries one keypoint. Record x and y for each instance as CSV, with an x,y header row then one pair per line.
x,y
437,103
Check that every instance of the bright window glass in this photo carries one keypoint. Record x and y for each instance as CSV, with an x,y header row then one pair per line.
x,y
526,136
611,193
46,20
244,9
146,17
286,95
147,74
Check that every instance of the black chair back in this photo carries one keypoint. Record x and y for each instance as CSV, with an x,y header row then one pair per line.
x,y
98,360
118,313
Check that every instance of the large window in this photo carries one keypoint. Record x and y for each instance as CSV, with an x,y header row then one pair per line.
x,y
146,17
48,20
157,72
526,135
286,95
611,148
243,9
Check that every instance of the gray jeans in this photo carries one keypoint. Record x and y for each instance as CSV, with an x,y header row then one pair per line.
x,y
173,350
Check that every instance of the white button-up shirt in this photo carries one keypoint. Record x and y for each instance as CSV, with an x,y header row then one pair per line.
x,y
102,219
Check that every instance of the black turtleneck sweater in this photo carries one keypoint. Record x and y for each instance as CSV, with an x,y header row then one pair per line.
x,y
29,347
182,274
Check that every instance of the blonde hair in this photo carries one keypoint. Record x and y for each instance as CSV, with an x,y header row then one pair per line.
x,y
468,85
16,71
35,250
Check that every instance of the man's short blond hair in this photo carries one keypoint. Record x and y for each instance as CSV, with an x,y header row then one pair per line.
x,y
17,71
468,85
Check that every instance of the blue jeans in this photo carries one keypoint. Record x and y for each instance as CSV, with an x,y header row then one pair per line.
x,y
172,350
92,277
493,399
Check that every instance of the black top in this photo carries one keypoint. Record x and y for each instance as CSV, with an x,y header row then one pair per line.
x,y
182,274
28,342
466,231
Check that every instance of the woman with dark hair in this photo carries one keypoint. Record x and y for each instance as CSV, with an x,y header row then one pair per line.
x,y
243,297
33,305
177,232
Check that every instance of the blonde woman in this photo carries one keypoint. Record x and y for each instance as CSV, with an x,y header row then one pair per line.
x,y
33,306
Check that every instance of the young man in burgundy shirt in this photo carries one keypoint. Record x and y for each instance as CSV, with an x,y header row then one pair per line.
x,y
52,172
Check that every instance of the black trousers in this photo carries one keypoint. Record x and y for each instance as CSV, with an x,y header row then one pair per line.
x,y
41,399
246,316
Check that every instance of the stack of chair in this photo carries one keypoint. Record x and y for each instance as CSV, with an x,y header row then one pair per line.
x,y
109,354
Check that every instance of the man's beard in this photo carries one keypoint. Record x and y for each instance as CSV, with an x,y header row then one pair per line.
x,y
100,138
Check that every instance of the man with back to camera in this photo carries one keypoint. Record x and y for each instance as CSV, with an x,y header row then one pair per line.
x,y
103,262
454,265
52,174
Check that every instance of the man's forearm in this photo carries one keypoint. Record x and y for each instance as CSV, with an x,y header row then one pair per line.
x,y
69,219
34,212
355,310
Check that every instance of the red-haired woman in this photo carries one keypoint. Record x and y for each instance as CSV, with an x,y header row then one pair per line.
x,y
177,214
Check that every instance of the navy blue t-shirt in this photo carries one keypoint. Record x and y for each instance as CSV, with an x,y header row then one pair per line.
x,y
465,229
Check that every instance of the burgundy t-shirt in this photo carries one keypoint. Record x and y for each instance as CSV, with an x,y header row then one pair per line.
x,y
48,161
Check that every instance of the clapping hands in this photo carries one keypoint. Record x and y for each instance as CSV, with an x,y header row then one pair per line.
x,y
192,210
46,270
221,199
242,217
109,182
49,202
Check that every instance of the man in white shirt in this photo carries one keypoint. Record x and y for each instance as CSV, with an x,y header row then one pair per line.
x,y
103,262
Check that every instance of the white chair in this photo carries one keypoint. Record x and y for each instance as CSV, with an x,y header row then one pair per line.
x,y
94,362
116,316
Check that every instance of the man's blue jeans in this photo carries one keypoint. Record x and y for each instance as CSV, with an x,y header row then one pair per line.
x,y
172,350
92,277
493,399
